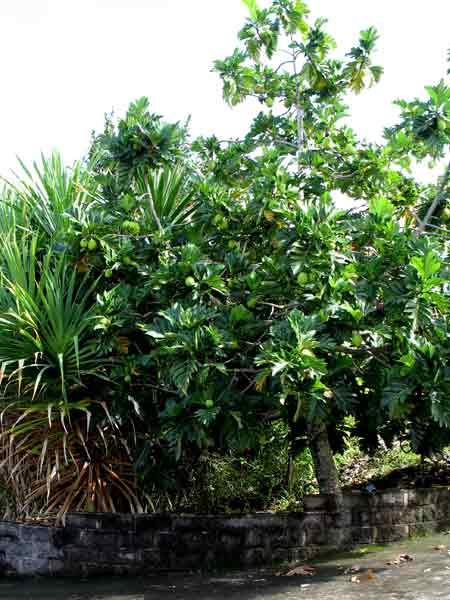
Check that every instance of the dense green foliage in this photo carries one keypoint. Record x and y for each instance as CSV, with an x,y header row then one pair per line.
x,y
166,300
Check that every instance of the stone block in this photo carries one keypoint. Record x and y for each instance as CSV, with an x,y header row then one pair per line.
x,y
9,531
313,551
254,537
390,498
121,569
423,497
392,533
404,515
56,566
422,529
83,521
342,518
280,555
35,533
429,512
154,522
62,536
197,538
126,556
34,566
318,502
224,556
81,554
361,518
117,522
194,522
338,537
231,543
413,498
297,554
442,512
296,536
280,536
101,539
442,525
439,494
384,516
314,528
355,499
418,512
165,540
153,560
364,535
254,557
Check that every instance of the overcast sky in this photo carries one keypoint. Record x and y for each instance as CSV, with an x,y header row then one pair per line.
x,y
67,62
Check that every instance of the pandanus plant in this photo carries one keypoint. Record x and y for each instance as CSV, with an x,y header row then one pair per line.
x,y
63,448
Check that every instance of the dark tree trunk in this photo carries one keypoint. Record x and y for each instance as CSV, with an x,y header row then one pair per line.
x,y
290,475
323,458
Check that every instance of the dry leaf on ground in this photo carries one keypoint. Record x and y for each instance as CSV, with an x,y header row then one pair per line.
x,y
353,569
401,558
301,571
368,576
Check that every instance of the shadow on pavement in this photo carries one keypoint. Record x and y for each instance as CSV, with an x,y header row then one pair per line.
x,y
254,586
425,577
244,585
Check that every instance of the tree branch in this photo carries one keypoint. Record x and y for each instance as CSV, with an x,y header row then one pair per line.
x,y
437,200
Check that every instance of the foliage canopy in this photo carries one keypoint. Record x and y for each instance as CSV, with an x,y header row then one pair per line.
x,y
182,296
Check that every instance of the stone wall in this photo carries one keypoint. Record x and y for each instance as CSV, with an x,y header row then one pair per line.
x,y
91,543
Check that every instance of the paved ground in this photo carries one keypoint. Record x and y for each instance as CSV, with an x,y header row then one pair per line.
x,y
425,578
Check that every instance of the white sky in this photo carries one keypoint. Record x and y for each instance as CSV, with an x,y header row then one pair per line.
x,y
67,62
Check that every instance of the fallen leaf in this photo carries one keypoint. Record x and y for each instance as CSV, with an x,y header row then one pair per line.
x,y
401,558
404,557
353,569
393,563
369,575
301,571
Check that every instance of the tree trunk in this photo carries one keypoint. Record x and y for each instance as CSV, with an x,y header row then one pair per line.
x,y
324,465
290,475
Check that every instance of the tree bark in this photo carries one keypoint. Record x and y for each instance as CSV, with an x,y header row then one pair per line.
x,y
323,458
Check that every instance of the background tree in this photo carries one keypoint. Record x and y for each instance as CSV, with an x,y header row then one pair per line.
x,y
296,154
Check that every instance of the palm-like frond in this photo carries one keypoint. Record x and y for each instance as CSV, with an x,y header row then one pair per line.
x,y
12,214
51,195
45,322
170,203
